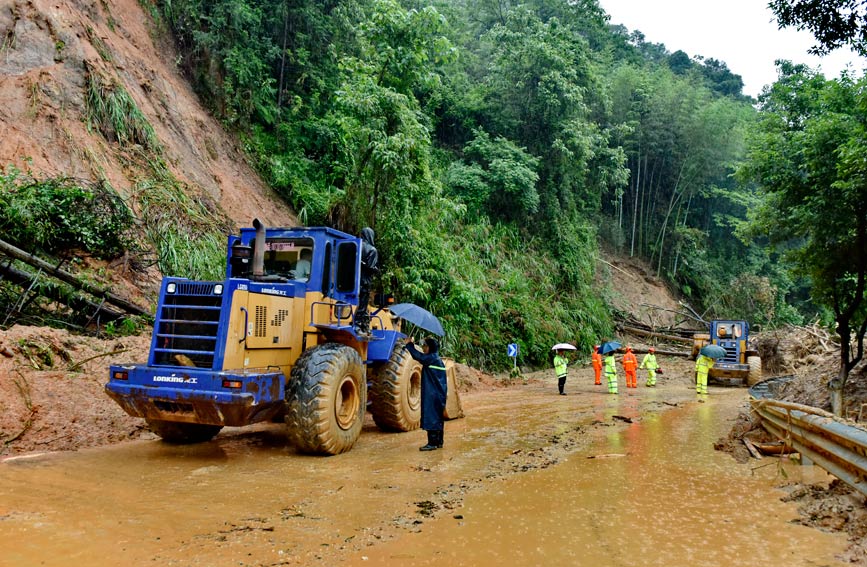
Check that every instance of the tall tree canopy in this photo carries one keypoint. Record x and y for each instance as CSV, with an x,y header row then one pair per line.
x,y
834,23
808,156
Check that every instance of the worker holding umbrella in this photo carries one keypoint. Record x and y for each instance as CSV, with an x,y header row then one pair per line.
x,y
561,365
703,363
434,390
434,382
607,350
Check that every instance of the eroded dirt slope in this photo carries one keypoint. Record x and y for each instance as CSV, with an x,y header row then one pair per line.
x,y
47,50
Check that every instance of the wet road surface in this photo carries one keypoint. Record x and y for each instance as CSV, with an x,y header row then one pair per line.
x,y
515,472
653,493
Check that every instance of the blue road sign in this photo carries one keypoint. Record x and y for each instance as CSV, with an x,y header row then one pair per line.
x,y
512,350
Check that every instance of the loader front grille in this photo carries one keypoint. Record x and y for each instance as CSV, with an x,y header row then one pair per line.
x,y
187,326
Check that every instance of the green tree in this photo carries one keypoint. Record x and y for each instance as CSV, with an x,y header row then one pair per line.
x,y
679,62
231,53
808,157
542,92
383,136
834,23
500,180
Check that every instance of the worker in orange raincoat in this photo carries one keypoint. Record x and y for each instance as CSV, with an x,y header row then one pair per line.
x,y
597,365
630,364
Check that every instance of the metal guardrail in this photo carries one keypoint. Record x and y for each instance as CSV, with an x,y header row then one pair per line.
x,y
838,446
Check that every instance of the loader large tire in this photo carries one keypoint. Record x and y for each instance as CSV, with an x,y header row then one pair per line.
x,y
395,392
326,398
755,374
182,433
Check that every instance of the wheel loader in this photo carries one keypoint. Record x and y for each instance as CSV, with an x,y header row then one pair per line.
x,y
273,341
741,365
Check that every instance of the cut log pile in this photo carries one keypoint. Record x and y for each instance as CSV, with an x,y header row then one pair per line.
x,y
678,339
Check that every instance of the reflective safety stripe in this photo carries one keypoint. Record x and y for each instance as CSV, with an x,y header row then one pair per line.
x,y
437,367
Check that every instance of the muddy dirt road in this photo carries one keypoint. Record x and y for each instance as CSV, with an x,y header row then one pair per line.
x,y
514,485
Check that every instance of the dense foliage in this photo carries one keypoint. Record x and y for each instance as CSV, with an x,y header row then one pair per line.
x,y
834,23
54,214
808,156
491,145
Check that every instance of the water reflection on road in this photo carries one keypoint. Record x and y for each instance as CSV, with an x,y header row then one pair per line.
x,y
656,493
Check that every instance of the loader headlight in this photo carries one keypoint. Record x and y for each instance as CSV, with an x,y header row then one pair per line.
x,y
120,375
171,288
218,289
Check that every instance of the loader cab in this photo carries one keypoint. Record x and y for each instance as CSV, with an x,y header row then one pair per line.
x,y
333,259
729,329
732,336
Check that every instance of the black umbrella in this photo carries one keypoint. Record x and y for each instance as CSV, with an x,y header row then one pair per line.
x,y
419,317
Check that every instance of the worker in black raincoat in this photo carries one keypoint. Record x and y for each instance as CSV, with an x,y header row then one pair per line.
x,y
433,391
369,269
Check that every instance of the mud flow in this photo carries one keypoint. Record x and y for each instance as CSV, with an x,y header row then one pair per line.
x,y
653,493
514,485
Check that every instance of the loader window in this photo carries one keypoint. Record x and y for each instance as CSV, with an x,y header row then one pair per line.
x,y
736,331
347,260
326,271
282,255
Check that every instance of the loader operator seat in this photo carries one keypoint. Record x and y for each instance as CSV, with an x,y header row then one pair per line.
x,y
301,270
284,256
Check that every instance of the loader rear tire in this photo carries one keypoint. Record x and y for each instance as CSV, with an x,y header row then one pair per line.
x,y
395,392
755,374
183,433
326,398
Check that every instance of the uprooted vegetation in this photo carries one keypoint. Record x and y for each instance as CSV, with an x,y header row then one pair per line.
x,y
812,356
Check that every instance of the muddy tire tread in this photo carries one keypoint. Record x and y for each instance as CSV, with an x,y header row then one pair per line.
x,y
312,425
755,373
388,389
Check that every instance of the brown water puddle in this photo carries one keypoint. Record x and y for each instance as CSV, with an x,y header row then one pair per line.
x,y
248,499
655,493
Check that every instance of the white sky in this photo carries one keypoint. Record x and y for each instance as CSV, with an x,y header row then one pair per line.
x,y
742,33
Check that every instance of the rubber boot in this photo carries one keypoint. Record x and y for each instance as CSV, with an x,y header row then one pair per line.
x,y
431,442
439,439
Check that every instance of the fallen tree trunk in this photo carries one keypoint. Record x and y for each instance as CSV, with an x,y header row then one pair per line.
x,y
775,448
643,333
663,352
53,292
65,276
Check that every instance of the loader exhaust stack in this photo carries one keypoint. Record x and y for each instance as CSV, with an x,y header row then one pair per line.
x,y
259,249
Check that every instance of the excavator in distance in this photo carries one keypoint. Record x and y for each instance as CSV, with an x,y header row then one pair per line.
x,y
276,339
